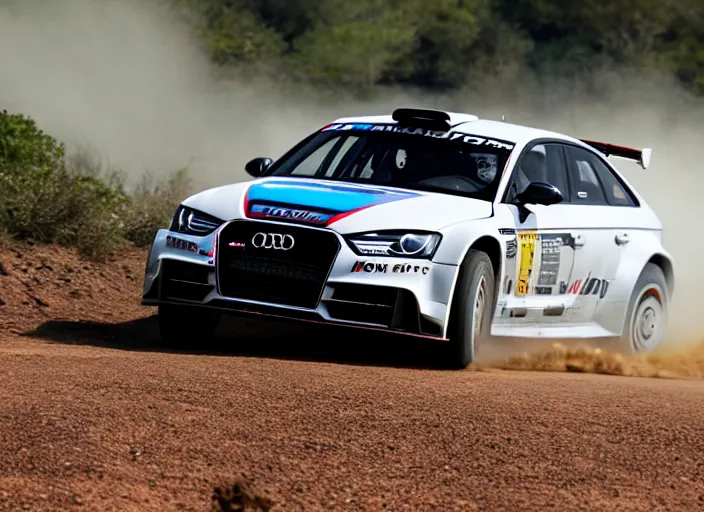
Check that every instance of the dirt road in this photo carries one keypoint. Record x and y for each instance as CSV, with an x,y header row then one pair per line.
x,y
99,416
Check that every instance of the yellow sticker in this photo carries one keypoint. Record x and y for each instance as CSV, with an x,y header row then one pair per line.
x,y
526,240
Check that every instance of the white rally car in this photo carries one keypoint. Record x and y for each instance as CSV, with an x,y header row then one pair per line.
x,y
431,224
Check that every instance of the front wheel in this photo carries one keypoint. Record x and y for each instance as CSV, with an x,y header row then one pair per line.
x,y
646,317
186,325
472,307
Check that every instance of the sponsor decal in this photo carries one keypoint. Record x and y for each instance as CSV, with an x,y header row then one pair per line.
x,y
280,212
550,247
320,203
526,241
370,267
511,245
547,262
349,126
179,243
424,132
511,248
373,267
236,244
574,287
410,269
589,286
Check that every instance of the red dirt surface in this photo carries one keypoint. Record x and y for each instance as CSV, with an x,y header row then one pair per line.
x,y
96,414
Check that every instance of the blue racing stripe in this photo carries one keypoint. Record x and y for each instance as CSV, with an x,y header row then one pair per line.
x,y
338,197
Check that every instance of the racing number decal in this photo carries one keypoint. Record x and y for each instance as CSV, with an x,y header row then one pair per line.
x,y
526,242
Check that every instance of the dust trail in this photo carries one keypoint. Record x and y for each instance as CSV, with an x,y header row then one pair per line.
x,y
671,363
126,79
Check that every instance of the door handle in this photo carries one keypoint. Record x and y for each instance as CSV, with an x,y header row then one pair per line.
x,y
579,241
622,238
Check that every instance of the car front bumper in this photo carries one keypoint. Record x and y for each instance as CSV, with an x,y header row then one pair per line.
x,y
394,294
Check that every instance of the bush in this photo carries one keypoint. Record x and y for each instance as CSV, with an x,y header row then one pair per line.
x,y
47,197
152,205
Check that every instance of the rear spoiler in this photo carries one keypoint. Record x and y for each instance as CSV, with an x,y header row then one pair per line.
x,y
642,156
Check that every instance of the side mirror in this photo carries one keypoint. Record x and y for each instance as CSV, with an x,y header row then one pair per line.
x,y
257,167
539,192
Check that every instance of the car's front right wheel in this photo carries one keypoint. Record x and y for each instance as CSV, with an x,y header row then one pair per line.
x,y
472,307
182,326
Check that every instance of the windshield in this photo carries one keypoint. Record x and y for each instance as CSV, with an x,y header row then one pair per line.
x,y
413,158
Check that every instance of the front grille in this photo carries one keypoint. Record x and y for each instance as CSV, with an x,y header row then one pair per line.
x,y
255,262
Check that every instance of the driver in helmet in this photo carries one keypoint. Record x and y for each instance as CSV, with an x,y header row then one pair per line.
x,y
486,167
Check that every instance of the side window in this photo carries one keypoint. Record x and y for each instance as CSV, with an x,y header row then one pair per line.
x,y
616,193
594,183
544,162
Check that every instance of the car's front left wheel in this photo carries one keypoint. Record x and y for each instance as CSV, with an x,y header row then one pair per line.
x,y
472,309
186,325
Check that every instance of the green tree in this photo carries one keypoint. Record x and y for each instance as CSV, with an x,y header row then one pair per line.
x,y
353,43
681,49
449,44
233,33
42,199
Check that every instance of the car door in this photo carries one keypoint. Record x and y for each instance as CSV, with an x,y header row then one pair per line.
x,y
553,263
611,211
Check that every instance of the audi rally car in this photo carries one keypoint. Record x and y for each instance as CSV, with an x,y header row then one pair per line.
x,y
431,224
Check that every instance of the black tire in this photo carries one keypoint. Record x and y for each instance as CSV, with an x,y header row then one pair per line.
x,y
645,325
476,276
182,326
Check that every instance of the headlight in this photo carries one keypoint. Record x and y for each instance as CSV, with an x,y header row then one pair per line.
x,y
401,244
193,222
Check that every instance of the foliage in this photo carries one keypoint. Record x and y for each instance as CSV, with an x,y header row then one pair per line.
x,y
152,205
48,197
452,43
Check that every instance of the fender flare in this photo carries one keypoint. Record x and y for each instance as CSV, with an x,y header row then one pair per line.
x,y
493,248
629,271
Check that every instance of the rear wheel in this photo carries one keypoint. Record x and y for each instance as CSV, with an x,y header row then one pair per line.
x,y
646,316
186,325
472,309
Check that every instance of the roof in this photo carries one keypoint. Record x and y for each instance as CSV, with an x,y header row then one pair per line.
x,y
471,124
499,130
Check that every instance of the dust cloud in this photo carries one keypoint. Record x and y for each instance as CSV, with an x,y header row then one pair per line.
x,y
127,80
671,362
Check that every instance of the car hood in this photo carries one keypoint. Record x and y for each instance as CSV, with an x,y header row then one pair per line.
x,y
344,207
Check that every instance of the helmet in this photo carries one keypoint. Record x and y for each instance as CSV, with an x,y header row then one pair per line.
x,y
486,166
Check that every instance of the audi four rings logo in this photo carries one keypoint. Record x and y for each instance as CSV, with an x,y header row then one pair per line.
x,y
275,241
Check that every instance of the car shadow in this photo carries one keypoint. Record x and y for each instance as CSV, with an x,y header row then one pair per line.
x,y
255,338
